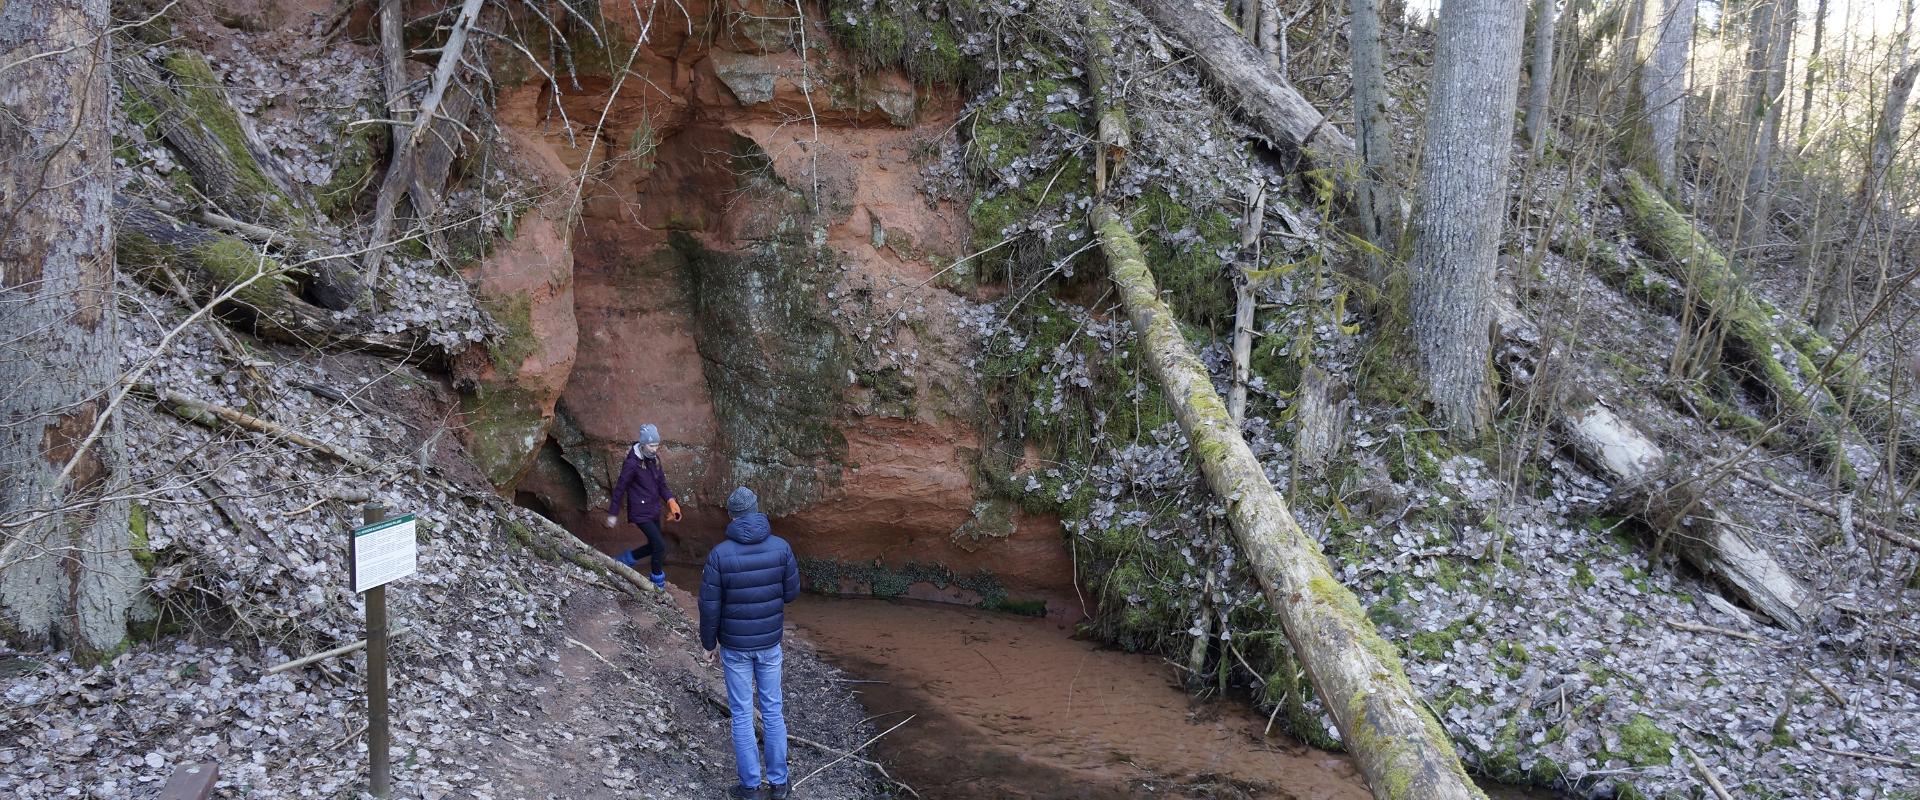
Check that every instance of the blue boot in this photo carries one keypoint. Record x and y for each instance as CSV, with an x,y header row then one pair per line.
x,y
659,580
626,557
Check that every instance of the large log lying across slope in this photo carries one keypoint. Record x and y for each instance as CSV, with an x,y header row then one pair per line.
x,y
1646,486
1400,748
1726,307
1241,71
1788,356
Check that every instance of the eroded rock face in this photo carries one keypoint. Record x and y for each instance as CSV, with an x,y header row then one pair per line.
x,y
526,285
765,294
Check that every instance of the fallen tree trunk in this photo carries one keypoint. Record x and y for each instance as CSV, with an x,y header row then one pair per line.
x,y
1397,743
189,111
1728,308
1647,488
149,244
1252,85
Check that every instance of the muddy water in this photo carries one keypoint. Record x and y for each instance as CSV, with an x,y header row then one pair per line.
x,y
1007,706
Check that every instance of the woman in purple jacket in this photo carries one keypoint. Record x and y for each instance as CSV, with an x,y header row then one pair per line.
x,y
642,489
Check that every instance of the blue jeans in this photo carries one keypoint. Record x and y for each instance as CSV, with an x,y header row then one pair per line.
x,y
747,671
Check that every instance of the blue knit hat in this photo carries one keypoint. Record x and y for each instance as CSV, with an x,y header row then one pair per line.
x,y
649,434
743,501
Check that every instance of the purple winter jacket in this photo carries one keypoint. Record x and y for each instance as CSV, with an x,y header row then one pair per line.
x,y
642,488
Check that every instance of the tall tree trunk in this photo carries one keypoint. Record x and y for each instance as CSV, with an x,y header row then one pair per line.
x,y
1773,40
1399,747
1539,76
1462,204
1814,69
66,569
1374,134
1870,201
1626,61
1663,84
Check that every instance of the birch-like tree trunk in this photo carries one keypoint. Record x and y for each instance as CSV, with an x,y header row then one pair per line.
x,y
1399,747
1462,204
1814,67
66,570
1374,135
1539,75
1663,84
1772,41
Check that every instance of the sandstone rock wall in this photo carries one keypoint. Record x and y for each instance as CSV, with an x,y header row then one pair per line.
x,y
754,270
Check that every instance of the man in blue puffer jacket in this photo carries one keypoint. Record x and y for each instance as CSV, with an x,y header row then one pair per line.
x,y
749,579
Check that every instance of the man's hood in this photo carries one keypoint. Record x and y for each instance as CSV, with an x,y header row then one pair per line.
x,y
751,528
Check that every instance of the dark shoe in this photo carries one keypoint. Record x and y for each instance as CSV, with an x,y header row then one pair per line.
x,y
781,790
739,792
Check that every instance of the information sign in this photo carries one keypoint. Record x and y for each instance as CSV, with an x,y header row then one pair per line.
x,y
384,552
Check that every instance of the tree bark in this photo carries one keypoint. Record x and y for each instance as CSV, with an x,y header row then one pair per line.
x,y
1813,70
1244,307
1109,118
1272,40
1663,85
1374,133
1241,72
1772,41
67,572
401,171
1462,204
231,168
1398,745
1539,76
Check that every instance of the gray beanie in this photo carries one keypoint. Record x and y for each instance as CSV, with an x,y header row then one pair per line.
x,y
742,501
649,434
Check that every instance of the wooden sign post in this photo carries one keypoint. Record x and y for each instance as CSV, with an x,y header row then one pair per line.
x,y
384,550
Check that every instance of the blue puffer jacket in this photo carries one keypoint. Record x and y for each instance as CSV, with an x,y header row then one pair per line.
x,y
749,579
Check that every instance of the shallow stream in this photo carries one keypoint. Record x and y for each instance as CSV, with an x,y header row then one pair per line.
x,y
1014,707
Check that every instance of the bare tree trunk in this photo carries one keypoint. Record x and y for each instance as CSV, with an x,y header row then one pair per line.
x,y
1244,307
1773,40
66,567
1272,40
1109,117
1870,202
1814,68
1663,84
1626,57
1374,134
1399,747
1539,76
1462,204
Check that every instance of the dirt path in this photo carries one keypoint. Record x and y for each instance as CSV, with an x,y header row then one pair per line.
x,y
622,713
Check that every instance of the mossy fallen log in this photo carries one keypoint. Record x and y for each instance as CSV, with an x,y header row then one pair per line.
x,y
160,249
1726,309
1397,743
181,103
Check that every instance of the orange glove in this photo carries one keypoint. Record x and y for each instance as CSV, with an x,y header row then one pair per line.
x,y
673,510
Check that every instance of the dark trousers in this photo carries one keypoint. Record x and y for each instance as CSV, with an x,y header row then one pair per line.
x,y
655,546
